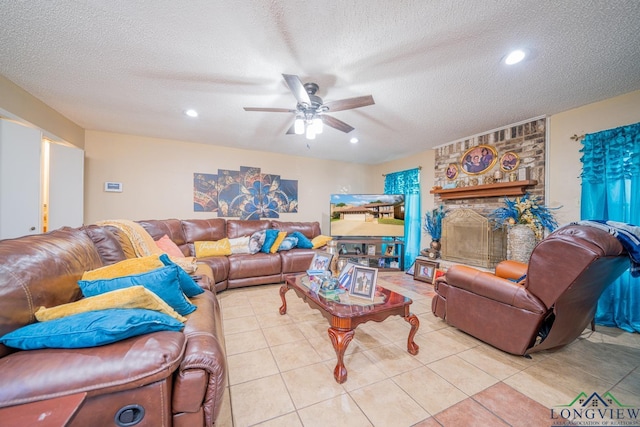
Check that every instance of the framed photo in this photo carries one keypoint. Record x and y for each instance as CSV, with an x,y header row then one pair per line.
x,y
363,282
479,159
389,251
452,171
425,270
509,161
346,275
321,261
371,249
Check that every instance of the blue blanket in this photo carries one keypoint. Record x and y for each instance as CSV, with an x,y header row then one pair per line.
x,y
627,234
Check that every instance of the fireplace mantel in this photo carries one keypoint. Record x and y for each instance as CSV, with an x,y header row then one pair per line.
x,y
498,189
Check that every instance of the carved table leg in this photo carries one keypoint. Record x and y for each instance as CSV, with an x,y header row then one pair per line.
x,y
283,290
340,340
412,347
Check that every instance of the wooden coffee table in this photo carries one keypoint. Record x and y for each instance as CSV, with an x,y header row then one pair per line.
x,y
344,318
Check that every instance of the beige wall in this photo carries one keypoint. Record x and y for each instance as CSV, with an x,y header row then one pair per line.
x,y
564,165
157,177
18,104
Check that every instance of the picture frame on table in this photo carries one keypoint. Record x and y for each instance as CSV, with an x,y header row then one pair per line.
x,y
321,261
346,275
371,249
425,270
363,282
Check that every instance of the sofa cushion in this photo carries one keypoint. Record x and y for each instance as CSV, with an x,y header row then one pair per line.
x,y
320,241
162,281
124,268
241,227
309,229
269,239
187,284
276,243
168,246
90,329
133,297
288,243
256,241
303,241
204,229
212,248
106,243
240,245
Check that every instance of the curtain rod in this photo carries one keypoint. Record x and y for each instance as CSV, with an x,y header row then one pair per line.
x,y
419,168
576,137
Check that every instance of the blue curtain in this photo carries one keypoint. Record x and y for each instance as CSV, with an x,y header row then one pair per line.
x,y
611,191
408,183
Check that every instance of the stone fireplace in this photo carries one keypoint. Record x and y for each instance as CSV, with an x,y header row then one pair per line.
x,y
469,238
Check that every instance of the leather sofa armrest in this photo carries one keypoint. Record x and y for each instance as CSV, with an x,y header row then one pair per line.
x,y
490,286
510,269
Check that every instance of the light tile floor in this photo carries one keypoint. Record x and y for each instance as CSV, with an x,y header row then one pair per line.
x,y
281,369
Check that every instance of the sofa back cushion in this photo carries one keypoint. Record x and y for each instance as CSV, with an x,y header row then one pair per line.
x,y
309,229
171,227
239,227
106,243
41,270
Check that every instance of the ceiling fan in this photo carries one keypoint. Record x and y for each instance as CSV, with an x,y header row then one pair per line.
x,y
311,111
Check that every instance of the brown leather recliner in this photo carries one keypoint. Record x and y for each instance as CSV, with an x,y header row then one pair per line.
x,y
549,308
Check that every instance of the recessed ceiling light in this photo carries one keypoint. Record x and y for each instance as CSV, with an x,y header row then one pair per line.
x,y
514,57
191,113
353,140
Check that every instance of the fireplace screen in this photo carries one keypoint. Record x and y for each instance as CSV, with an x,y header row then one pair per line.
x,y
469,238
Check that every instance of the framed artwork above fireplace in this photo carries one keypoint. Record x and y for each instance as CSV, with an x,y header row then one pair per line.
x,y
479,159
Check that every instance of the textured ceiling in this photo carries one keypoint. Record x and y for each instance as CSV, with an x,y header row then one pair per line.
x,y
433,67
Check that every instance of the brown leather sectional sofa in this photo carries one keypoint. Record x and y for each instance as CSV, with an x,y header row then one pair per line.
x,y
173,378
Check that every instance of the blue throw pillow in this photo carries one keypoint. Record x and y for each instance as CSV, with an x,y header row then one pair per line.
x,y
161,281
303,241
270,237
90,329
288,243
187,284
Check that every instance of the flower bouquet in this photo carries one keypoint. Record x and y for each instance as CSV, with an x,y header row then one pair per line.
x,y
525,210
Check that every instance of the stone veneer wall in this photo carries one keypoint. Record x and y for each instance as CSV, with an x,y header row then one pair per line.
x,y
527,140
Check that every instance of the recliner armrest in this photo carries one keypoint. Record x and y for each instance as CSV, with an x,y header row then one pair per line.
x,y
511,269
493,287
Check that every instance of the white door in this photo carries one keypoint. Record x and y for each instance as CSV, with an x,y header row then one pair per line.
x,y
20,178
66,186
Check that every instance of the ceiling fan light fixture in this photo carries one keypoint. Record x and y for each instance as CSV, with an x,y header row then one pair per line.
x,y
317,124
311,132
298,126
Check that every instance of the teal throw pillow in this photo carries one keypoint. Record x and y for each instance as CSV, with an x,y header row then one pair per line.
x,y
270,237
187,284
288,243
161,281
303,241
90,329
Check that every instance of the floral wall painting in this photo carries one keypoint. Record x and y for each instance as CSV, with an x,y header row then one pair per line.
x,y
479,159
245,194
205,192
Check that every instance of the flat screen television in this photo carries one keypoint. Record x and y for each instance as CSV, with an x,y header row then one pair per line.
x,y
367,215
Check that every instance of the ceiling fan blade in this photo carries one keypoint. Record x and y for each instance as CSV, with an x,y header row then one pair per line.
x,y
336,124
349,103
271,110
291,130
297,88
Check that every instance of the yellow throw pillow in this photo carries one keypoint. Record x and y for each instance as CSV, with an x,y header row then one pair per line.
x,y
124,268
320,241
279,239
131,297
212,248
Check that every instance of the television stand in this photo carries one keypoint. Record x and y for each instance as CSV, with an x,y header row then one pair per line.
x,y
382,253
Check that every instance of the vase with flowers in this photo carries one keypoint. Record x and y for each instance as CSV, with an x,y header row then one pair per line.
x,y
433,226
526,219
